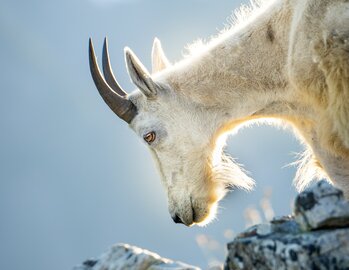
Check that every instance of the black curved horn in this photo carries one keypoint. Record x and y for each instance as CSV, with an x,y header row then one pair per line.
x,y
108,72
120,105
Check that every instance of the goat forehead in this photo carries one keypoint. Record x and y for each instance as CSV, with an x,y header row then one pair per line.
x,y
166,113
157,111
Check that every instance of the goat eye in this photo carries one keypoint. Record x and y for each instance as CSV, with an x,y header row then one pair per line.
x,y
149,137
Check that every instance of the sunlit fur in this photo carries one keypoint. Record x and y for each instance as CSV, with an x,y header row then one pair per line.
x,y
288,62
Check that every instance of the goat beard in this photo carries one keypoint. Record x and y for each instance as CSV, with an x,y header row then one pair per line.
x,y
231,174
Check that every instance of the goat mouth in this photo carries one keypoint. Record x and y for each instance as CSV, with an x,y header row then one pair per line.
x,y
193,211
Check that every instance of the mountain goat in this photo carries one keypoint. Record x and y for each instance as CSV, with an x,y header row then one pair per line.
x,y
287,61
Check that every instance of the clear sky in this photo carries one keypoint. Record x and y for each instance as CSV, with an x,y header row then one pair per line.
x,y
73,178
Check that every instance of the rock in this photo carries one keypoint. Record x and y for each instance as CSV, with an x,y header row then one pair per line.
x,y
124,257
285,224
315,250
316,237
321,207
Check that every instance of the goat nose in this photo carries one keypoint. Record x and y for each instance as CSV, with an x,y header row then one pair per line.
x,y
177,219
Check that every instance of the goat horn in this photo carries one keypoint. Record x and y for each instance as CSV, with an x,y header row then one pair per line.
x,y
120,105
108,72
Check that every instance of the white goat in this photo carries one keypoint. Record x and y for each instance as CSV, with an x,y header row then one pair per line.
x,y
287,61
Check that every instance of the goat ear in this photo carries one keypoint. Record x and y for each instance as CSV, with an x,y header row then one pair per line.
x,y
159,59
139,74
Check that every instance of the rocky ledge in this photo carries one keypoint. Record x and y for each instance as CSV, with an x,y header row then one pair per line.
x,y
315,237
124,257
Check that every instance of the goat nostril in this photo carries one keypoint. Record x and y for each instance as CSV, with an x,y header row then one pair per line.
x,y
177,219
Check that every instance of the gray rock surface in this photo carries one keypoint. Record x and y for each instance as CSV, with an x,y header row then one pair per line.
x,y
321,207
124,257
316,237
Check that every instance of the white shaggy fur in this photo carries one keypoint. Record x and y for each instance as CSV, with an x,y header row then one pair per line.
x,y
288,62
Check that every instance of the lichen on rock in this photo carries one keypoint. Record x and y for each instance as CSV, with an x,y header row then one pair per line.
x,y
321,207
315,237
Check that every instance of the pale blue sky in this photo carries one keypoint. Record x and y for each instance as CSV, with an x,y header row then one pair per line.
x,y
73,178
